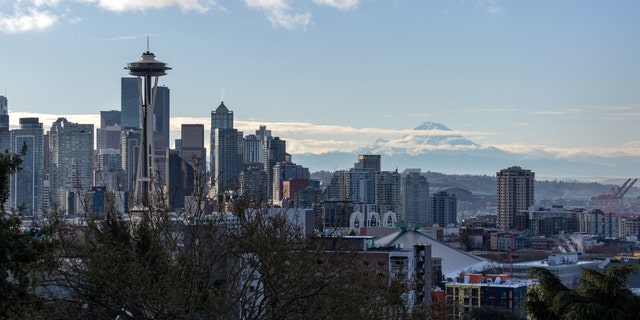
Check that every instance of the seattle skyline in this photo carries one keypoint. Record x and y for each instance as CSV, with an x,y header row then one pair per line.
x,y
331,75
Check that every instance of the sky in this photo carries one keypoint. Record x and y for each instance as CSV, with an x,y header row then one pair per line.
x,y
560,77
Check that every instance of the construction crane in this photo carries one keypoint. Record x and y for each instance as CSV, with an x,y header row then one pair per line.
x,y
614,196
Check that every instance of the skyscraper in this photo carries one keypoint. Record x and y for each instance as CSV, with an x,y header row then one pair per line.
x,y
444,209
70,163
253,146
108,135
388,191
5,143
252,150
275,151
226,160
109,173
361,185
4,105
130,103
415,200
283,171
192,147
27,184
253,184
180,179
161,120
514,193
130,149
370,161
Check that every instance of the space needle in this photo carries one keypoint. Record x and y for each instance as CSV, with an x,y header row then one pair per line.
x,y
147,69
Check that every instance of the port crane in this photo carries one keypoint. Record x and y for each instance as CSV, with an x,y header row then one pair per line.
x,y
613,198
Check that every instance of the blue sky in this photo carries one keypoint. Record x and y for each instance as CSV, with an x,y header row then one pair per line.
x,y
561,77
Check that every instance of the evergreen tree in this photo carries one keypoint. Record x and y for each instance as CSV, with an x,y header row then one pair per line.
x,y
22,251
601,295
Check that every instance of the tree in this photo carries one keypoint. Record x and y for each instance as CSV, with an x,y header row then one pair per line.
x,y
599,296
23,251
253,263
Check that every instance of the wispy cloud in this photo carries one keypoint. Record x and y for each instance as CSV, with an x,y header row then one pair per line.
x,y
339,4
484,110
119,38
547,113
141,5
280,13
491,6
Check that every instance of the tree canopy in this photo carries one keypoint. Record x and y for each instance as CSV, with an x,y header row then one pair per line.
x,y
600,295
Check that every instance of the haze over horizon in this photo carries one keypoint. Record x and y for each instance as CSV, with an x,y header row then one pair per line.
x,y
556,78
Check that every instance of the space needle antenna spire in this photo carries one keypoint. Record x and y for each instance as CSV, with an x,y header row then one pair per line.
x,y
147,70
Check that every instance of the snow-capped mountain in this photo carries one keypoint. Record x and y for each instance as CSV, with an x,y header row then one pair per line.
x,y
431,148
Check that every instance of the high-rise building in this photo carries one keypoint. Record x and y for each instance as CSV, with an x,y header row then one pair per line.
x,y
444,209
415,200
337,189
161,120
5,143
275,151
4,105
108,135
388,191
226,159
361,185
252,150
109,173
131,111
514,193
130,150
370,161
310,196
253,184
130,103
27,184
254,145
291,187
283,171
192,147
70,164
335,214
180,180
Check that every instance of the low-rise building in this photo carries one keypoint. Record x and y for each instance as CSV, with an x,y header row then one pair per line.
x,y
472,291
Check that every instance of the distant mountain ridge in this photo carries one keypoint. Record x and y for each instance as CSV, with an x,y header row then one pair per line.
x,y
456,154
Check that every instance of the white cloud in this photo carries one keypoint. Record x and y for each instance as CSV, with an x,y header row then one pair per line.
x,y
33,15
631,149
339,4
31,19
318,139
280,13
141,5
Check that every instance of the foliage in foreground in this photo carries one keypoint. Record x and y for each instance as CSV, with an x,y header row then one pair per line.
x,y
599,296
199,266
